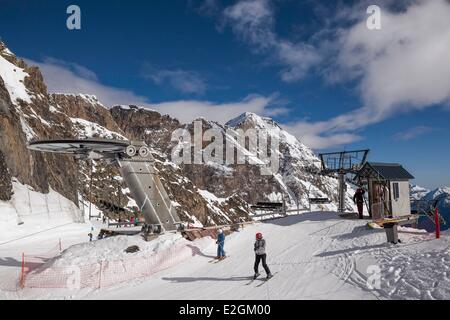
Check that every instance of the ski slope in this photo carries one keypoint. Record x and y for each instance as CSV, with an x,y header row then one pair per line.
x,y
314,255
31,212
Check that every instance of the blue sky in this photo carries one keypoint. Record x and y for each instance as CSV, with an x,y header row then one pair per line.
x,y
313,66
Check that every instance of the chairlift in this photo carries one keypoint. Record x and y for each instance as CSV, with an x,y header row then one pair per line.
x,y
136,166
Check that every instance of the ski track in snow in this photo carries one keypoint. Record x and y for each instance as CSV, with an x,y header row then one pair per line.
x,y
314,255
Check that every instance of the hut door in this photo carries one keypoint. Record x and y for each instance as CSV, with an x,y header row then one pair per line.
x,y
400,198
380,200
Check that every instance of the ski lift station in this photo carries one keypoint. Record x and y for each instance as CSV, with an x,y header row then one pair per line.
x,y
136,165
387,186
388,189
389,196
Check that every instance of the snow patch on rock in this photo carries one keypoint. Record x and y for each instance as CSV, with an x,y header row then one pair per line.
x,y
13,78
88,129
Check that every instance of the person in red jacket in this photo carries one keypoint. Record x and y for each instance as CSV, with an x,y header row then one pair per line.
x,y
358,199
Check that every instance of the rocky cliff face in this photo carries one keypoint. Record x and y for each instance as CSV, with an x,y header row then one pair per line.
x,y
5,180
203,193
26,114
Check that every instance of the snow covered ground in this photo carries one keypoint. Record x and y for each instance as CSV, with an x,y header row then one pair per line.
x,y
30,212
315,255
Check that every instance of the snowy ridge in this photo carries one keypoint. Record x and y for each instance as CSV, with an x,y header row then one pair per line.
x,y
5,51
295,147
88,129
261,122
14,77
297,162
423,197
89,98
443,193
418,192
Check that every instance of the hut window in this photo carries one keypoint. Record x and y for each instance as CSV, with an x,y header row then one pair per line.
x,y
396,190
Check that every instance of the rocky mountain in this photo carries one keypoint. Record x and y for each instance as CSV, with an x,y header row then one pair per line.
x,y
425,197
442,196
418,192
204,194
27,111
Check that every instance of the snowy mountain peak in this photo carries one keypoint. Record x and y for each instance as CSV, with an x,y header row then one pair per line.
x,y
290,143
418,192
4,50
443,192
252,119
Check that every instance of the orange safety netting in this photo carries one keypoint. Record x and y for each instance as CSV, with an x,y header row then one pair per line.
x,y
36,274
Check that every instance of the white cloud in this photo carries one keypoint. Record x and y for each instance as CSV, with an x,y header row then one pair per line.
x,y
317,135
401,68
412,133
64,77
74,67
253,21
188,110
182,80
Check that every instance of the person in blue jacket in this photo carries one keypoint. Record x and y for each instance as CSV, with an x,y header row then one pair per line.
x,y
220,243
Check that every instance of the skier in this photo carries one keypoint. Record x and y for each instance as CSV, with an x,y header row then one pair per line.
x,y
220,243
90,236
358,199
260,255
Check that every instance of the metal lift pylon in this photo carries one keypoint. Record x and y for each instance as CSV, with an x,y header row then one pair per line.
x,y
136,165
339,164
